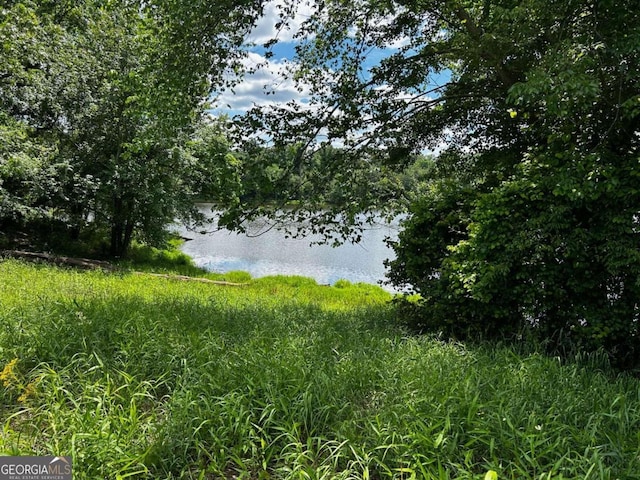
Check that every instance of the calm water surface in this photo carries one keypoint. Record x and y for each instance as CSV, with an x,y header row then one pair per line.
x,y
273,254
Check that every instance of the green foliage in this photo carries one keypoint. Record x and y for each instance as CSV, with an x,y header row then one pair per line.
x,y
147,377
101,114
556,254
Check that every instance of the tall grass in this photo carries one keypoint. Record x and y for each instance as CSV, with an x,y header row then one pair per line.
x,y
142,377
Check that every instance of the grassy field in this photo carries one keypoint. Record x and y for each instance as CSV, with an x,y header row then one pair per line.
x,y
137,376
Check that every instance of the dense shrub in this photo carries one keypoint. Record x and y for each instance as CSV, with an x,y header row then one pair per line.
x,y
557,255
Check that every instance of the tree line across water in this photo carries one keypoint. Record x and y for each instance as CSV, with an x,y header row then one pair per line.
x,y
527,220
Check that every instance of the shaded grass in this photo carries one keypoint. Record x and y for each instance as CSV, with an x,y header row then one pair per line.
x,y
151,378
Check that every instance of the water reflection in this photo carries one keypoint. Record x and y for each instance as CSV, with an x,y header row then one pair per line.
x,y
273,254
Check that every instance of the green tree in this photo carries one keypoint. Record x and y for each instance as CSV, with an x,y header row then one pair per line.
x,y
101,101
531,218
27,108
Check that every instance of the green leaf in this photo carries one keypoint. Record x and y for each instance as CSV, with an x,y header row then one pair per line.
x,y
491,475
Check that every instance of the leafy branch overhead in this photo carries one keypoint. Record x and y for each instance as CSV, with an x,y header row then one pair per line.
x,y
420,74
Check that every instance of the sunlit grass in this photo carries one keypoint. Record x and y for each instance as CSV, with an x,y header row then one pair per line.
x,y
147,377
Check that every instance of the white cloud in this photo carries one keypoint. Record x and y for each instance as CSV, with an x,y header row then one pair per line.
x,y
267,26
269,84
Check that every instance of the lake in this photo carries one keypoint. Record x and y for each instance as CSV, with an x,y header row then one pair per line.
x,y
273,254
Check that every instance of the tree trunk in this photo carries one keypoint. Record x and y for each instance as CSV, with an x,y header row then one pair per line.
x,y
121,228
115,249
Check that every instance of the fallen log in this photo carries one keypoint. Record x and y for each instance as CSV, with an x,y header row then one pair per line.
x,y
185,278
85,263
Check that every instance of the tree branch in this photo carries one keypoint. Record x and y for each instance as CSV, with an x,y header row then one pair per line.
x,y
476,33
